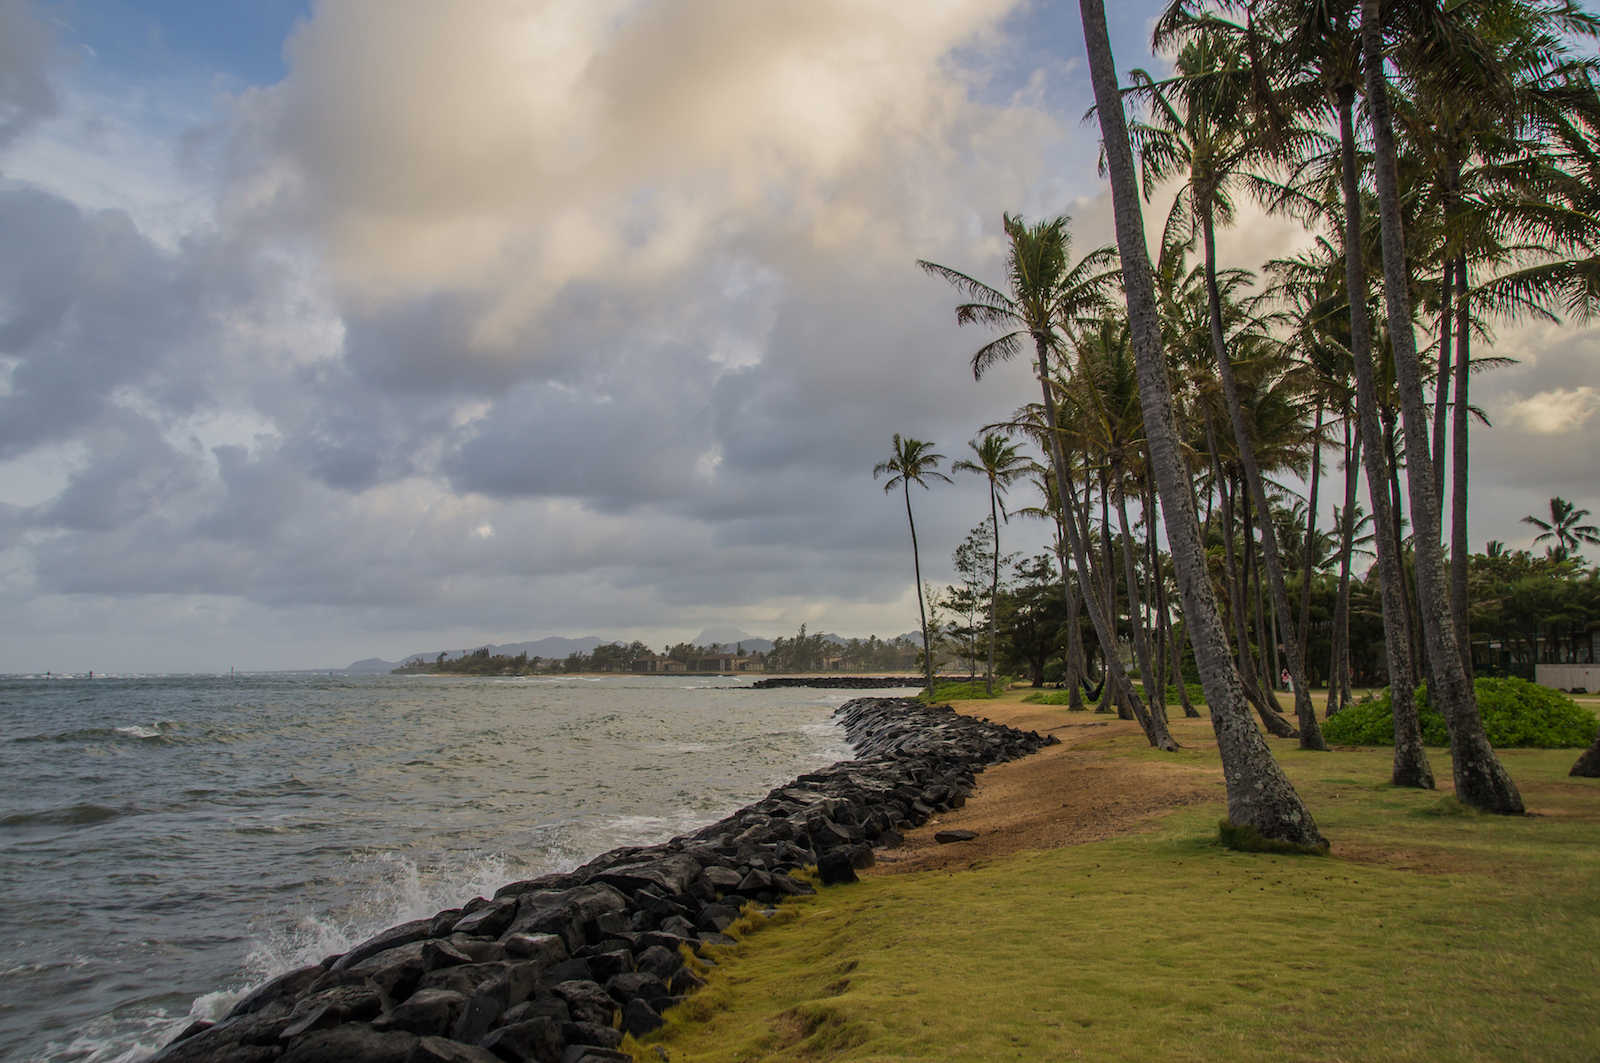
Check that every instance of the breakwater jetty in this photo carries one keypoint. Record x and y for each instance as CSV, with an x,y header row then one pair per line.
x,y
555,969
839,682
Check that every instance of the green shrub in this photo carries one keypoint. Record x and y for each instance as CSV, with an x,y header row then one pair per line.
x,y
973,691
1516,713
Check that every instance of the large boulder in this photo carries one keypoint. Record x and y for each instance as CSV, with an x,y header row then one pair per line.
x,y
426,1013
353,1042
667,875
394,937
586,1001
536,1040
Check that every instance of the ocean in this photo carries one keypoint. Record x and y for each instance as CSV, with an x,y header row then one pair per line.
x,y
168,842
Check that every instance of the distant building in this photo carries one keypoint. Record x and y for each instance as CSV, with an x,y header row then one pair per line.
x,y
655,662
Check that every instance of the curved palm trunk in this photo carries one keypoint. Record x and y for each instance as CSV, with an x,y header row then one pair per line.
x,y
1410,759
1305,711
1258,791
922,611
1481,780
1089,584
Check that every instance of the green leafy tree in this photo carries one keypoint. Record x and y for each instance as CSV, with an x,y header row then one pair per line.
x,y
999,461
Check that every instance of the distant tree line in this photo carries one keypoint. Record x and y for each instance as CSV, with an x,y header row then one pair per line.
x,y
802,653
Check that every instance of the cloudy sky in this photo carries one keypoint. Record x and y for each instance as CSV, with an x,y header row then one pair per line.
x,y
361,327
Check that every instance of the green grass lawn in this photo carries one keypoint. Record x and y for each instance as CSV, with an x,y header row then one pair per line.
x,y
1430,934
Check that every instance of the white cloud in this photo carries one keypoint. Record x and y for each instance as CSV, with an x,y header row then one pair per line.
x,y
1550,413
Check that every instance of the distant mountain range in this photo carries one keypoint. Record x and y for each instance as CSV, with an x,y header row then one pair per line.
x,y
557,648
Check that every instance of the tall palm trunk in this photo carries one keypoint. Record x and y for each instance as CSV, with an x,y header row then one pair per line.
x,y
1481,780
1158,579
1153,693
1460,552
1305,711
1441,384
1339,658
922,609
1410,759
1309,558
994,581
1258,791
1089,585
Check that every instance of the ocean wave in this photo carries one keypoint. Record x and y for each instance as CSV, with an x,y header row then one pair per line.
x,y
139,732
73,816
387,889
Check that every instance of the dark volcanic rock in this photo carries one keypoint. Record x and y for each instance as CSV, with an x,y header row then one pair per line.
x,y
586,1001
394,937
589,1033
836,868
427,1012
477,1019
441,1050
353,1042
538,1039
945,837
659,961
233,1039
285,985
490,920
639,1018
568,971
546,950
635,986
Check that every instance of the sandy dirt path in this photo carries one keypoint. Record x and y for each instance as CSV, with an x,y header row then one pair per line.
x,y
1062,795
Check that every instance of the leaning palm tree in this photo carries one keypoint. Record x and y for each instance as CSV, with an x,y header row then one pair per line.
x,y
1201,129
1564,528
913,462
1000,462
1258,792
1481,780
1046,292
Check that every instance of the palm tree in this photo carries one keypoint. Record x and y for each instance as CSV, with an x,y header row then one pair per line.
x,y
1202,128
1000,462
1045,292
1481,780
913,462
1564,528
1258,791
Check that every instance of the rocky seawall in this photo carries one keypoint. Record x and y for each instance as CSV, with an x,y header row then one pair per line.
x,y
839,682
555,969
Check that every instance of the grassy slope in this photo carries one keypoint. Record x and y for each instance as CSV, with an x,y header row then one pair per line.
x,y
1430,934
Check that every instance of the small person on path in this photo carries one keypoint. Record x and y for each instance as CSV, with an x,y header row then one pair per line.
x,y
1288,683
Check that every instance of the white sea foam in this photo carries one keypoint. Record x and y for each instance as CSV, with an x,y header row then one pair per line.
x,y
139,731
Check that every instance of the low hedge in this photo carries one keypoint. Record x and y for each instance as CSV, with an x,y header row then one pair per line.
x,y
1516,713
